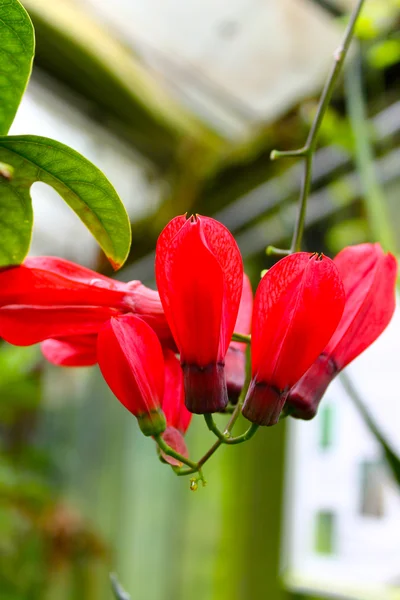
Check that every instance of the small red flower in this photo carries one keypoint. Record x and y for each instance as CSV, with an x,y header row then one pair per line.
x,y
50,297
131,360
369,279
199,274
297,307
235,360
176,414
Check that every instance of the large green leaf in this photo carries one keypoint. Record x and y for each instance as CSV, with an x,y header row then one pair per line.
x,y
17,48
82,185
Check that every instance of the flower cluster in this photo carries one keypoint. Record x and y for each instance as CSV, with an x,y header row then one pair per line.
x,y
311,317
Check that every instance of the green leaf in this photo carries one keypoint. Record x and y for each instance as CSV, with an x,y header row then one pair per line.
x,y
17,48
82,185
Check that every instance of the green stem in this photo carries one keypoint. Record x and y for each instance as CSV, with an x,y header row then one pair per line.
x,y
171,452
203,460
218,443
241,337
273,251
247,435
312,139
236,412
276,154
307,152
224,437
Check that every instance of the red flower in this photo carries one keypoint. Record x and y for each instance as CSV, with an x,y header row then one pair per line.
x,y
369,279
131,361
235,360
54,298
199,274
176,414
297,307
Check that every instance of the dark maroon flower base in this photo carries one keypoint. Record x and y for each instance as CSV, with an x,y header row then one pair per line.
x,y
306,394
263,404
205,388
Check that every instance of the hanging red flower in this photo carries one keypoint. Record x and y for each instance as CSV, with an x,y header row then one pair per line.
x,y
199,274
131,360
297,307
369,279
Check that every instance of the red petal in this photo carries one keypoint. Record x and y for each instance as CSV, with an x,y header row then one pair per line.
x,y
68,269
307,393
224,247
27,325
175,440
235,359
235,372
131,361
146,304
190,282
297,307
173,405
79,351
369,279
199,277
243,321
33,286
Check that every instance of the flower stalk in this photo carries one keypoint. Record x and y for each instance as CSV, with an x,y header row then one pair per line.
x,y
307,151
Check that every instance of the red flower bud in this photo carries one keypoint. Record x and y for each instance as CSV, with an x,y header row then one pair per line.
x,y
176,414
297,307
369,279
199,275
51,297
131,361
235,360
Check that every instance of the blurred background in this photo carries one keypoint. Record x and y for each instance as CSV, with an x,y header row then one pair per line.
x,y
180,104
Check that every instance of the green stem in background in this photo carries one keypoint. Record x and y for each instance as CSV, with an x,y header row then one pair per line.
x,y
373,196
391,457
307,152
